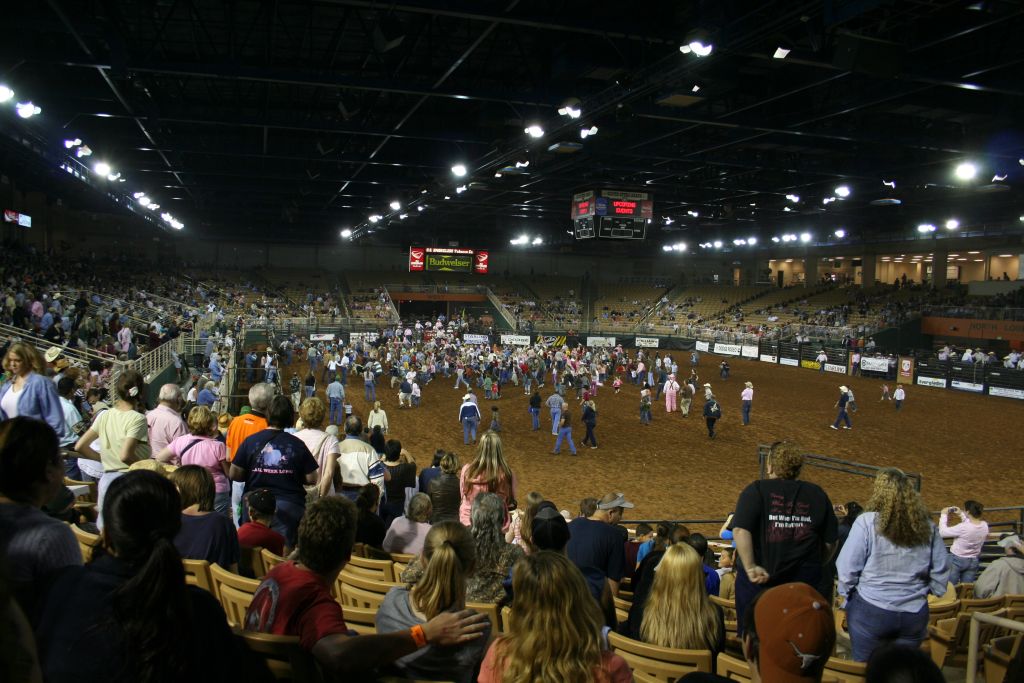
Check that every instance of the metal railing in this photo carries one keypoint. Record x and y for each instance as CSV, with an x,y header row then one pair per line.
x,y
502,309
977,619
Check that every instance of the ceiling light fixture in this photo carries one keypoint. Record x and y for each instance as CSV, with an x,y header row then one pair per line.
x,y
27,110
586,132
776,240
101,168
840,233
843,191
890,184
952,224
374,218
534,131
786,209
998,178
421,207
717,244
781,53
68,144
346,233
460,189
5,93
966,171
459,170
395,205
925,228
695,88
693,214
537,241
805,237
793,198
522,164
402,216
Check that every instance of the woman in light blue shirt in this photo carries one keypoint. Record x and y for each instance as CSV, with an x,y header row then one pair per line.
x,y
893,557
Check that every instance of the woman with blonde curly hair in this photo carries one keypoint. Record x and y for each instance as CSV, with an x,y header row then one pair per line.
x,y
678,613
556,630
323,446
488,473
893,557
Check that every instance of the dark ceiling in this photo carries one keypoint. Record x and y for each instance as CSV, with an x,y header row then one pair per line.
x,y
292,120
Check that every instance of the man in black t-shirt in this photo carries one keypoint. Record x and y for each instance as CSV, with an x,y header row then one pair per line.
x,y
784,529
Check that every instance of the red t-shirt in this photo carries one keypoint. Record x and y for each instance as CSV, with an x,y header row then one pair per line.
x,y
256,535
295,602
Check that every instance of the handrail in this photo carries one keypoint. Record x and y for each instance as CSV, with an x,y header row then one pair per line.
x,y
977,618
501,308
10,332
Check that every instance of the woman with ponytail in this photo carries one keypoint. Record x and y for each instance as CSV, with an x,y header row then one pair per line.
x,y
449,555
128,615
122,431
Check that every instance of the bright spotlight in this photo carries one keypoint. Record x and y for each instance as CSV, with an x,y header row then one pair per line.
x,y
395,205
793,198
694,214
27,110
966,171
695,88
586,132
153,207
717,244
402,216
137,195
374,218
460,189
952,224
537,241
805,237
739,242
570,111
842,191
68,144
346,233
697,47
83,151
522,164
459,170
666,247
840,233
999,178
925,228
534,131
144,201
421,207
751,241
102,168
5,93
776,240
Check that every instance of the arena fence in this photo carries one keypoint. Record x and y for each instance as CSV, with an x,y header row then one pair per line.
x,y
825,462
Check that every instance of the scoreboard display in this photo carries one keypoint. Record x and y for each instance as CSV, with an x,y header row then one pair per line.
x,y
611,214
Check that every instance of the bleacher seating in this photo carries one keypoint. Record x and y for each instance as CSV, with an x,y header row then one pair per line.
x,y
621,306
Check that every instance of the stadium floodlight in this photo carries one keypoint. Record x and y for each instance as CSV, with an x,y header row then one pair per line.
x,y
537,241
739,242
781,53
840,233
421,207
101,168
587,132
534,131
459,170
522,164
572,108
666,247
776,240
27,110
694,214
83,151
952,224
793,198
374,218
805,237
842,191
68,144
5,93
966,170
717,244
139,195
346,233
999,178
395,205
925,228
402,216
459,190
751,241
144,201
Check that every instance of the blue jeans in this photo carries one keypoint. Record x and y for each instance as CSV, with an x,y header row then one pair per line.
x,y
310,391
222,503
871,627
535,414
746,412
962,569
565,433
841,417
469,429
336,412
343,376
556,415
370,389
461,379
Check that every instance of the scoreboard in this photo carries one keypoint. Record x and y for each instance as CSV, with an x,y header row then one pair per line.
x,y
451,260
611,214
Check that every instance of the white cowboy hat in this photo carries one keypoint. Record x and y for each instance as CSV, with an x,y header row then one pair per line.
x,y
53,353
843,388
749,384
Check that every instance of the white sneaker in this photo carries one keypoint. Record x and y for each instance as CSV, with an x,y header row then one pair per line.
x,y
834,427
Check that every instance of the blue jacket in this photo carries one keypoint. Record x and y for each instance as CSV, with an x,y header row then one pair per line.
x,y
39,400
469,411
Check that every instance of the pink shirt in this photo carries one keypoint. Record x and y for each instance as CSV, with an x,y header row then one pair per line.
x,y
969,537
475,489
613,669
207,452
747,394
165,425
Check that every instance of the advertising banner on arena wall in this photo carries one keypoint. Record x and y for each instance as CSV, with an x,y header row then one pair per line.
x,y
768,358
749,351
906,375
727,349
967,386
1006,392
321,337
417,259
476,339
789,361
810,364
835,367
874,364
364,337
515,339
551,339
647,342
602,342
702,345
932,382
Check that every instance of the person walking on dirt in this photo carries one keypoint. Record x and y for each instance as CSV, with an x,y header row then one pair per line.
x,y
841,404
747,397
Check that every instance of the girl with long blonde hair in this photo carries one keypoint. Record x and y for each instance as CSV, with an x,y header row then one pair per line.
x,y
555,635
488,473
891,560
448,557
678,613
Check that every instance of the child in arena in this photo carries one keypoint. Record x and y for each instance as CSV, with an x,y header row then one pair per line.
x,y
617,384
495,421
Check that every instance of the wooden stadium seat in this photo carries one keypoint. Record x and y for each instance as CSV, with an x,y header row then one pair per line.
x,y
491,610
728,606
621,604
981,604
965,591
404,558
947,597
661,663
733,668
1013,601
382,570
250,562
732,641
87,542
997,657
362,621
361,591
938,612
89,496
948,638
270,560
197,573
845,670
234,592
506,619
285,657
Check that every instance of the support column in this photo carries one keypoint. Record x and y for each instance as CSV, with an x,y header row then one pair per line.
x,y
810,271
867,270
939,262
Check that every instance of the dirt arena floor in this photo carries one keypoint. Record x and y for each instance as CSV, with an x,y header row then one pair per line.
x,y
965,446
